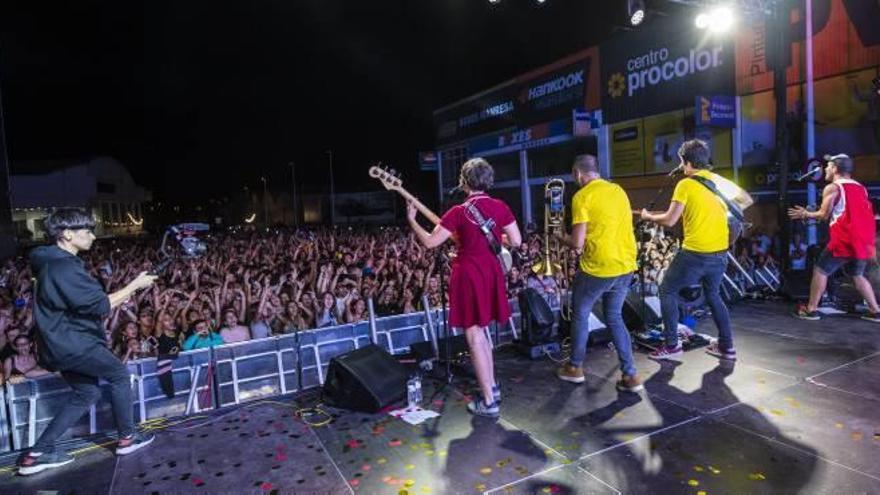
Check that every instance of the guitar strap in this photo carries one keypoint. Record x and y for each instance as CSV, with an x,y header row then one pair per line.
x,y
731,207
486,226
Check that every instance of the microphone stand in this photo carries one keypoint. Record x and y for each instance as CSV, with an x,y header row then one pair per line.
x,y
643,253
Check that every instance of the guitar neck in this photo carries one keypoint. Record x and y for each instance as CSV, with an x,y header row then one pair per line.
x,y
424,210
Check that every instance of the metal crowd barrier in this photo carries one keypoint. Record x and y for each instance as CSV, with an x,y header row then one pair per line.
x,y
244,371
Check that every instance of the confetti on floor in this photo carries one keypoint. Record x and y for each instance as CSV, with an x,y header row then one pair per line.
x,y
757,477
693,483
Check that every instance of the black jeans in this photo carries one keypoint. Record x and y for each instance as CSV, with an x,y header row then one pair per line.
x,y
82,377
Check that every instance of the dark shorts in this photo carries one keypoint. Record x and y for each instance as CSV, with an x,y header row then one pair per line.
x,y
828,264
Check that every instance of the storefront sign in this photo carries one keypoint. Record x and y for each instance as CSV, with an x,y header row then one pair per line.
x,y
715,111
651,71
541,96
521,139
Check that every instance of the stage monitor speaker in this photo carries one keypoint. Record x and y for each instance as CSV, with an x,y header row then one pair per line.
x,y
636,314
366,380
537,318
796,284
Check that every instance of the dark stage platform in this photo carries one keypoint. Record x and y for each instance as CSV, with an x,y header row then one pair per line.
x,y
797,414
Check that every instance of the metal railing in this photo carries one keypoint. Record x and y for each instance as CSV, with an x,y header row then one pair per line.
x,y
239,372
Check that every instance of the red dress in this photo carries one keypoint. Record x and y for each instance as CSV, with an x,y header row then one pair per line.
x,y
477,287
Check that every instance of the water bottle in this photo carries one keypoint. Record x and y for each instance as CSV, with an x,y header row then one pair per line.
x,y
418,394
411,393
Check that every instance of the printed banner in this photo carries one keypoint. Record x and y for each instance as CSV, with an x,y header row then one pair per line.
x,y
627,149
716,111
661,68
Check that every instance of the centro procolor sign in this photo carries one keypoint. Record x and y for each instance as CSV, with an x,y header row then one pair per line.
x,y
648,71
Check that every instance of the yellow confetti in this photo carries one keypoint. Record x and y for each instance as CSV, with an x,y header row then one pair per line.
x,y
486,470
757,477
698,469
414,447
575,433
409,483
426,489
442,453
838,425
425,445
548,452
701,492
777,412
429,452
481,487
410,467
714,470
693,483
546,490
381,460
403,492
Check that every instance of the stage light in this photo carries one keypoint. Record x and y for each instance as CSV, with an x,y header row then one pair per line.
x,y
635,10
494,1
541,1
718,20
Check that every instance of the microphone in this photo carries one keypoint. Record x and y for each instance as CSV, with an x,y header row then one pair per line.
x,y
677,170
454,191
811,172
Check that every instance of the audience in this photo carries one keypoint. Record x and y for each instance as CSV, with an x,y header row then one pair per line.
x,y
252,285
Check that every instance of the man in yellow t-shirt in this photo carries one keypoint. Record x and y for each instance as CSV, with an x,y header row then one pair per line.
x,y
703,256
602,227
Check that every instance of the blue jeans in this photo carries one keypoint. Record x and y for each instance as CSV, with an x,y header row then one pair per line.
x,y
82,377
586,290
689,268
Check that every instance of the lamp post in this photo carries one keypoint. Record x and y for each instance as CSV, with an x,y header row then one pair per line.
x,y
332,191
265,203
293,192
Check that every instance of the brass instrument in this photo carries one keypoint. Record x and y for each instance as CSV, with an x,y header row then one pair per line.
x,y
554,218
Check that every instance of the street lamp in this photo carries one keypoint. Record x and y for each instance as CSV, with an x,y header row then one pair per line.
x,y
265,203
332,191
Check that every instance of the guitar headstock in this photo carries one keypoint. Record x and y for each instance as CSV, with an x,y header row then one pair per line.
x,y
388,177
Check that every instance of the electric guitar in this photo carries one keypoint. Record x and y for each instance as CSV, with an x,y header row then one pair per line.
x,y
394,183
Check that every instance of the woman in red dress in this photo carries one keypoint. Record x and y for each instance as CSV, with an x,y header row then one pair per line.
x,y
477,291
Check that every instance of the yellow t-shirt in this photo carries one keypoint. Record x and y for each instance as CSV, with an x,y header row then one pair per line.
x,y
705,216
610,244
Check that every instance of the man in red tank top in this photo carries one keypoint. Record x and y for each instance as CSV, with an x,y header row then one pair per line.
x,y
847,207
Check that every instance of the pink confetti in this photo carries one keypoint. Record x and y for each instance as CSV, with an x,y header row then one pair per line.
x,y
366,467
198,481
438,403
554,489
354,482
266,486
801,360
280,457
394,443
353,444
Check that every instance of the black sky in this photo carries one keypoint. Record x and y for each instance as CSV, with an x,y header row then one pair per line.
x,y
199,98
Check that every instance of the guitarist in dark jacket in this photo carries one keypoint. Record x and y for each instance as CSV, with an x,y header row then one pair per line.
x,y
702,259
69,308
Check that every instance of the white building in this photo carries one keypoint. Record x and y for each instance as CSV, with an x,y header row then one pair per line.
x,y
102,185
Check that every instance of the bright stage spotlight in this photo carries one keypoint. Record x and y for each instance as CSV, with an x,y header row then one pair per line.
x,y
494,1
635,10
718,20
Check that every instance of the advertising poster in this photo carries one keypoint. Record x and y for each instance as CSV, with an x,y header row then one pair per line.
x,y
845,38
664,134
650,71
627,149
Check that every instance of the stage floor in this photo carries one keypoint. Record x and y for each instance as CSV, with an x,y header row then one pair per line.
x,y
798,413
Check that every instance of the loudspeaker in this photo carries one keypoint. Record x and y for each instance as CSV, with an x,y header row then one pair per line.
x,y
537,318
634,310
424,351
366,379
796,284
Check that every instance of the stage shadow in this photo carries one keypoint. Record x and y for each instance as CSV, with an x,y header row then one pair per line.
x,y
708,452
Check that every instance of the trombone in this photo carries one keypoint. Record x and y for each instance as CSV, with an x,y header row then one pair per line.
x,y
554,226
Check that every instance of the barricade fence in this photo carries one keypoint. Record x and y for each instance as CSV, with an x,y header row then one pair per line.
x,y
225,375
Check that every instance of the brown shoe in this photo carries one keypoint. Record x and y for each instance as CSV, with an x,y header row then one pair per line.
x,y
630,383
569,373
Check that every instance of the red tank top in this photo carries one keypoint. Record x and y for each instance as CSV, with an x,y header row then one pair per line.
x,y
852,227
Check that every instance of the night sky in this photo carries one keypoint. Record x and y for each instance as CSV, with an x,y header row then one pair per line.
x,y
200,98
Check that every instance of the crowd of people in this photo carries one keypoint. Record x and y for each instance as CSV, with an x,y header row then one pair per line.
x,y
250,284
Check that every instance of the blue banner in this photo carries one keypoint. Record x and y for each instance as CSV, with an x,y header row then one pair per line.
x,y
715,111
